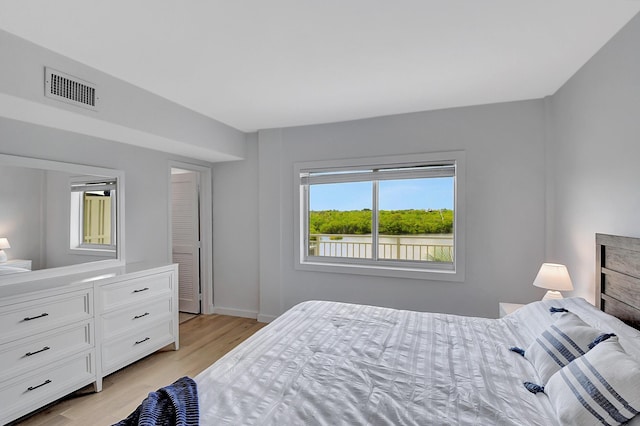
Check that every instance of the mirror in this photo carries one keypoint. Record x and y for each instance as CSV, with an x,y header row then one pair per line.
x,y
59,217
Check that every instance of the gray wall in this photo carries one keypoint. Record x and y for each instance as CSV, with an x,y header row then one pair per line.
x,y
543,177
504,145
146,177
595,156
235,234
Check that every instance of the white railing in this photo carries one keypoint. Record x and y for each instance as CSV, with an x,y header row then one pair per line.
x,y
397,247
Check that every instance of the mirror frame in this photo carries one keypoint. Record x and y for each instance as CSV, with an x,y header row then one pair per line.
x,y
59,166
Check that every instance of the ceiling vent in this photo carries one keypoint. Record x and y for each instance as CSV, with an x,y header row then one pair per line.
x,y
70,89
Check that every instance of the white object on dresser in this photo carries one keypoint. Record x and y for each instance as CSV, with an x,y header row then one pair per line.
x,y
18,263
507,308
62,333
4,244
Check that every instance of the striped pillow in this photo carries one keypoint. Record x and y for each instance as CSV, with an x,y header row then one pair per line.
x,y
565,340
598,388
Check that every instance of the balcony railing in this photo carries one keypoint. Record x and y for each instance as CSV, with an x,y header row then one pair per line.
x,y
428,248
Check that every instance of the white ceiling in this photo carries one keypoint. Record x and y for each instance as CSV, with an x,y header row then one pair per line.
x,y
257,64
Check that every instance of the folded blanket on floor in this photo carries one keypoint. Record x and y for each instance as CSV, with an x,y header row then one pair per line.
x,y
173,405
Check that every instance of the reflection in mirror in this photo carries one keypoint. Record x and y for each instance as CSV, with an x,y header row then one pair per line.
x,y
58,215
93,215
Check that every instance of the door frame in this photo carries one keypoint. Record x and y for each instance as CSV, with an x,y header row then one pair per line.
x,y
205,195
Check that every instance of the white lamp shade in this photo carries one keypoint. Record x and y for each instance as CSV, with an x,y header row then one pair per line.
x,y
553,276
4,243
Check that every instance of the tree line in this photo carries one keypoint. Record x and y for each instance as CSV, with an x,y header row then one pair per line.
x,y
391,222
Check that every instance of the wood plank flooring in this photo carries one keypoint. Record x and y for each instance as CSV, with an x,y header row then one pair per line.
x,y
203,340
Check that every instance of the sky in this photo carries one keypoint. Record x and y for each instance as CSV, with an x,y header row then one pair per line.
x,y
429,193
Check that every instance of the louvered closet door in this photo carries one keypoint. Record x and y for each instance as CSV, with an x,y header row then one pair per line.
x,y
186,239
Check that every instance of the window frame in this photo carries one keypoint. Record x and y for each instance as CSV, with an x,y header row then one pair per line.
x,y
76,240
382,267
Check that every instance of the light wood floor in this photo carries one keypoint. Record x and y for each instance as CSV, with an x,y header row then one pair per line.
x,y
203,340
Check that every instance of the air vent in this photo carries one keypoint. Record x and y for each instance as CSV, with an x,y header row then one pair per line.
x,y
70,89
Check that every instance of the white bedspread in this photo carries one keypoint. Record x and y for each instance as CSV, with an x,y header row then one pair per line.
x,y
333,363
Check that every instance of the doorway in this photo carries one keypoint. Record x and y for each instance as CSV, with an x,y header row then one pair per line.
x,y
190,236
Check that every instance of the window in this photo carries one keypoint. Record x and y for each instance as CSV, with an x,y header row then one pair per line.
x,y
93,215
393,216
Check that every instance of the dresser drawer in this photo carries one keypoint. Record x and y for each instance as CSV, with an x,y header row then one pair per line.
x,y
38,315
23,394
141,315
124,350
136,290
30,353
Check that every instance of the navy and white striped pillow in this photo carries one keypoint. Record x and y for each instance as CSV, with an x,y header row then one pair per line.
x,y
565,340
601,387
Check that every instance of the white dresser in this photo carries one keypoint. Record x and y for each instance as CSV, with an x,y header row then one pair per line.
x,y
60,334
47,347
136,316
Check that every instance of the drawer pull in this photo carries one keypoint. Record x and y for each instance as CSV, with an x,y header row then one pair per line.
x,y
46,382
36,317
140,316
143,340
46,348
141,289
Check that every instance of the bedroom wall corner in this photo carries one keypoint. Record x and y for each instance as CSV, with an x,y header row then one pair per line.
x,y
596,151
549,181
236,233
270,168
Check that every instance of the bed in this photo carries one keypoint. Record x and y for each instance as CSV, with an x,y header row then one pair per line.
x,y
618,277
329,363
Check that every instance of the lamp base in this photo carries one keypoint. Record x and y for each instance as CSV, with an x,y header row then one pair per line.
x,y
3,256
552,295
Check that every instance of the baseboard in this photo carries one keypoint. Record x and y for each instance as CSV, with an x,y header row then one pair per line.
x,y
235,312
208,309
266,318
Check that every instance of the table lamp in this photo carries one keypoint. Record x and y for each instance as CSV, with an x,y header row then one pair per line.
x,y
4,244
555,278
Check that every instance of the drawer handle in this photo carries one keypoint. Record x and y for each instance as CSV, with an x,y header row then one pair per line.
x,y
46,348
140,316
46,382
141,289
143,340
36,317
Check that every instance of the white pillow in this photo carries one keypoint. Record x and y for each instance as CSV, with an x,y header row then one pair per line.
x,y
601,387
563,341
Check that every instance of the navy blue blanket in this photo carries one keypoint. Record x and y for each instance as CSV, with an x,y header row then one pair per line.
x,y
173,405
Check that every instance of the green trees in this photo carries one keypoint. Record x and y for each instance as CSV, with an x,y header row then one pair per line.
x,y
340,222
394,222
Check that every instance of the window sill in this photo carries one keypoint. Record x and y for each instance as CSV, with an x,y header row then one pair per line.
x,y
382,271
93,252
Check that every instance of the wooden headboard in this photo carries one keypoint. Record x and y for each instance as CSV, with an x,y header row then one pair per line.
x,y
618,277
